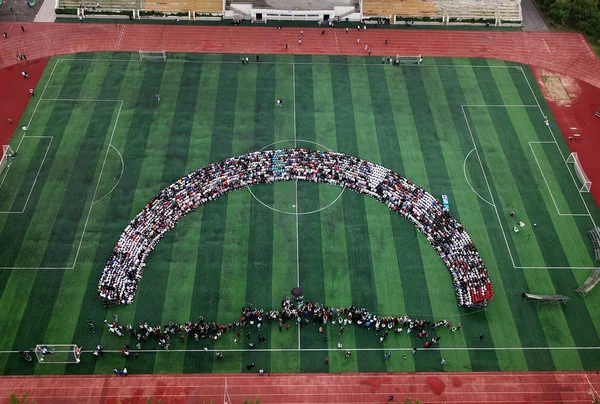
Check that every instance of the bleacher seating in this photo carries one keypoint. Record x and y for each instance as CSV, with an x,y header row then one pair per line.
x,y
415,8
101,4
528,297
200,6
595,237
589,283
506,10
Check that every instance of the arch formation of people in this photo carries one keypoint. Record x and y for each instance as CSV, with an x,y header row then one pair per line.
x,y
120,276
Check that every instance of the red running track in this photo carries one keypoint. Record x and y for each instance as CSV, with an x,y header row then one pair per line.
x,y
562,52
530,387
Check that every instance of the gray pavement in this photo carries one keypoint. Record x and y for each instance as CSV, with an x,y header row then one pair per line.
x,y
532,19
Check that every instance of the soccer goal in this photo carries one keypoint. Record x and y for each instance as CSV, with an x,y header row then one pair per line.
x,y
52,353
8,155
585,181
146,55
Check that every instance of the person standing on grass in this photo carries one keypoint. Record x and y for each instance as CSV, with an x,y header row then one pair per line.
x,y
157,97
481,336
125,371
443,361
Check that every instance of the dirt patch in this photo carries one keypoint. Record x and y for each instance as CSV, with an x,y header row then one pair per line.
x,y
555,88
18,10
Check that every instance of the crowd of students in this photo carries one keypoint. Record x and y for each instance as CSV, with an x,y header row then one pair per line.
x,y
293,310
118,282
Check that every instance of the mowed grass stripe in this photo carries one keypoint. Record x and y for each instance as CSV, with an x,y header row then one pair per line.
x,y
164,163
255,121
284,228
444,304
177,288
473,211
210,250
336,277
360,264
390,293
69,313
402,153
132,193
310,244
98,244
525,319
178,302
234,270
29,331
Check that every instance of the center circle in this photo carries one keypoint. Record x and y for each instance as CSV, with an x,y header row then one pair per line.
x,y
293,210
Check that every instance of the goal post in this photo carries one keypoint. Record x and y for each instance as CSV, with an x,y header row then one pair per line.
x,y
586,184
150,55
8,155
61,353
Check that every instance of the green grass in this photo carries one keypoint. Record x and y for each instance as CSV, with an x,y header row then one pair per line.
x,y
422,122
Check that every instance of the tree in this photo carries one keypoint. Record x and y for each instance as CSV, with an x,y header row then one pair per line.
x,y
251,401
19,400
409,401
582,10
560,10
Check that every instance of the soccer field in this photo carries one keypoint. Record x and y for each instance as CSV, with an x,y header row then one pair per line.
x,y
99,146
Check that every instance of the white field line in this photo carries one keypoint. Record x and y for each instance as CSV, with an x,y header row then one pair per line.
x,y
548,185
382,349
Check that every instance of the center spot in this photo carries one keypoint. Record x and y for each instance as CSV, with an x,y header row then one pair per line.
x,y
296,197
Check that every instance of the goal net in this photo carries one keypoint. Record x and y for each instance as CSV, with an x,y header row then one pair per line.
x,y
146,55
8,155
52,353
586,184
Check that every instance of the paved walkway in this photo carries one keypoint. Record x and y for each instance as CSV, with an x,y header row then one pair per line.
x,y
46,12
568,53
532,19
